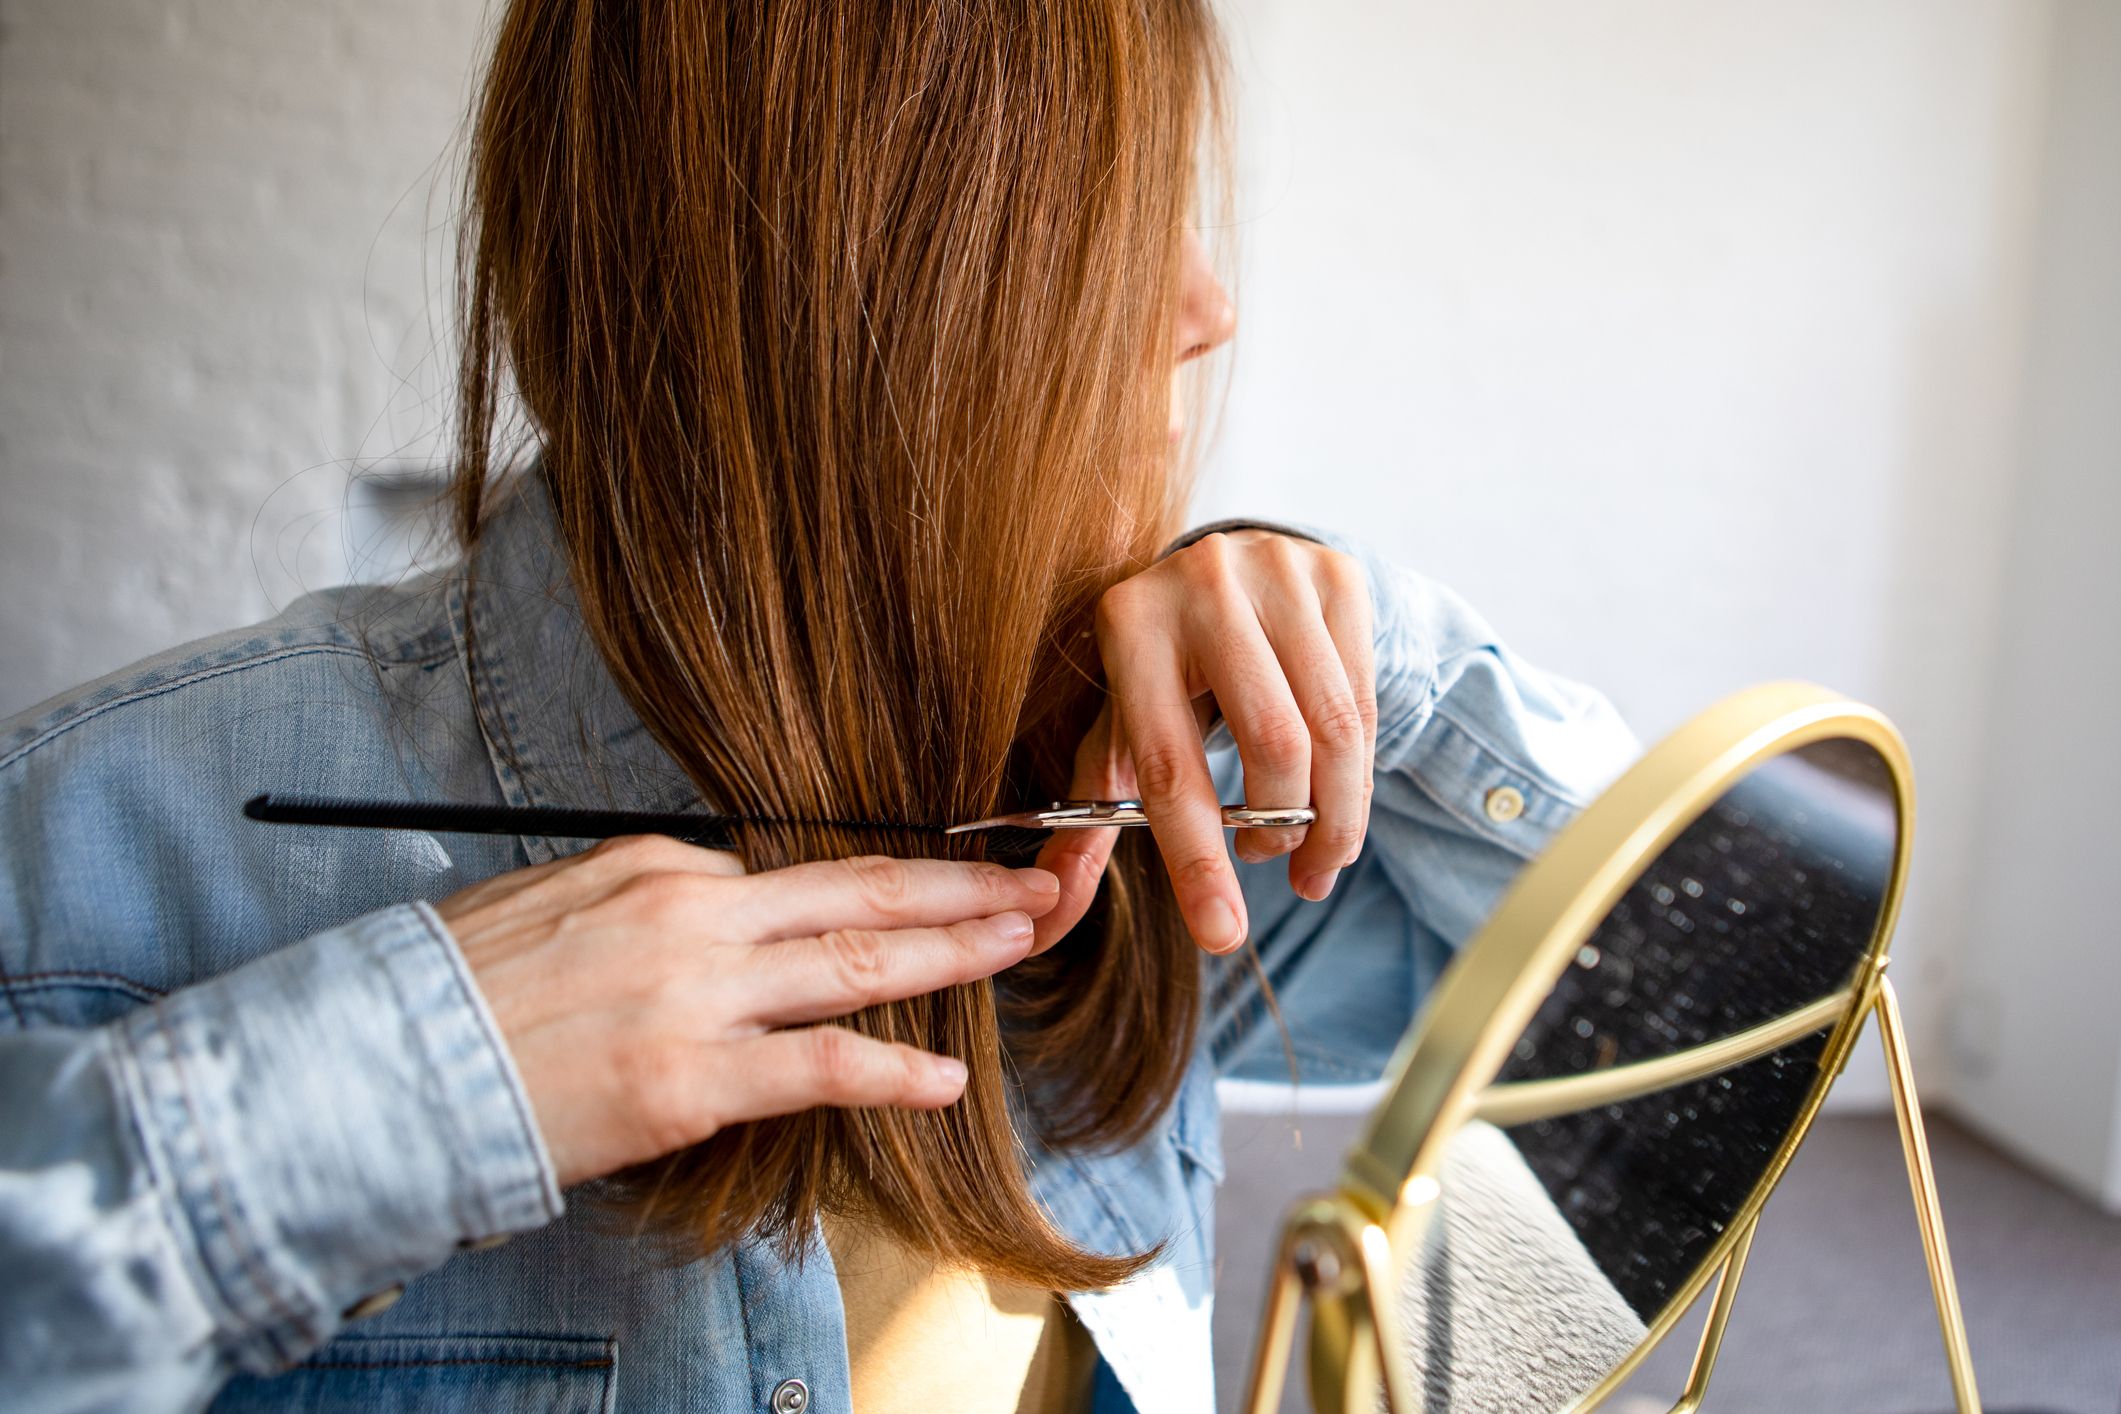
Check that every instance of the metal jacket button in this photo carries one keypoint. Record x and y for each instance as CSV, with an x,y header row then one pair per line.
x,y
791,1397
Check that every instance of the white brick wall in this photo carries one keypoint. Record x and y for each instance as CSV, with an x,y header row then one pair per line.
x,y
221,246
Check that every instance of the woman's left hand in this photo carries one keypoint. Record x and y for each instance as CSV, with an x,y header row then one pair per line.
x,y
1275,633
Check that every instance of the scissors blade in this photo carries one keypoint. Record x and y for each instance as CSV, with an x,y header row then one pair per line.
x,y
1090,814
1021,820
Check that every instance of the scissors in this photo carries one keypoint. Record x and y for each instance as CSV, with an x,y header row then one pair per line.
x,y
1090,814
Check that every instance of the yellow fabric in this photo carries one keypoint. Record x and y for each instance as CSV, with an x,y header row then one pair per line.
x,y
922,1338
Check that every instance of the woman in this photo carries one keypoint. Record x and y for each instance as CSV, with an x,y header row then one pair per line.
x,y
845,343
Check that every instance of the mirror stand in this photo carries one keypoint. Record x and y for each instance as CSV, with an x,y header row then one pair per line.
x,y
1335,1257
1883,1006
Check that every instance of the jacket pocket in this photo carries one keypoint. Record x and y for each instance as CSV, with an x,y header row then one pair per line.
x,y
419,1374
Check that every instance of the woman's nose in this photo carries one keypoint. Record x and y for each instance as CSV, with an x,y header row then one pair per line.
x,y
1206,317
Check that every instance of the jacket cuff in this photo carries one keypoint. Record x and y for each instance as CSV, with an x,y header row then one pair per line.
x,y
1214,527
332,1120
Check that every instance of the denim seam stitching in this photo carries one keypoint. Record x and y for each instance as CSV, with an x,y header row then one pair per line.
x,y
82,977
487,689
431,927
604,1364
743,1315
134,1068
89,714
254,1261
1465,817
130,1083
1508,762
14,1003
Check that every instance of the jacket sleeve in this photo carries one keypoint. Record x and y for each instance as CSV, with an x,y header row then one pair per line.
x,y
1481,759
222,1178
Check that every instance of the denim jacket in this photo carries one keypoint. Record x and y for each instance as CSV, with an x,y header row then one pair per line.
x,y
261,1143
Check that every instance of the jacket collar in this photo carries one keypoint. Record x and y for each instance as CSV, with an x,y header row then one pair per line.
x,y
557,728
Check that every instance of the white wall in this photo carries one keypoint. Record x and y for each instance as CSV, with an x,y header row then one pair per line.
x,y
214,236
2038,1040
1689,341
1685,340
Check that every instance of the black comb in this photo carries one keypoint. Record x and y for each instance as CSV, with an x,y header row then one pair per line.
x,y
1007,842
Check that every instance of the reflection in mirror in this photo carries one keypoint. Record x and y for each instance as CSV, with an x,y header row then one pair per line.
x,y
1499,1276
1560,1239
1766,902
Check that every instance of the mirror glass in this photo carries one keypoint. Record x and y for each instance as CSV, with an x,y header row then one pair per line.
x,y
1557,1244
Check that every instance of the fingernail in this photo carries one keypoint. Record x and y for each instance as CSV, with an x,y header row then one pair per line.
x,y
1318,886
1220,930
951,1069
1012,926
1039,881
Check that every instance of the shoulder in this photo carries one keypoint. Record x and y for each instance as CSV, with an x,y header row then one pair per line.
x,y
309,645
123,849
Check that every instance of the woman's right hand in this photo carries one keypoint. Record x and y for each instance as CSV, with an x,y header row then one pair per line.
x,y
652,992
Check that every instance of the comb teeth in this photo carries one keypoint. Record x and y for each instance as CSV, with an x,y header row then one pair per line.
x,y
1012,845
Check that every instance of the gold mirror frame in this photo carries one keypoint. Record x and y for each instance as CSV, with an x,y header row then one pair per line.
x,y
1336,1249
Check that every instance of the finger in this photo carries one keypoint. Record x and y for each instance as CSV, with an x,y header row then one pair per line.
x,y
876,891
1272,738
1177,793
1318,679
1344,600
784,1072
811,979
1078,857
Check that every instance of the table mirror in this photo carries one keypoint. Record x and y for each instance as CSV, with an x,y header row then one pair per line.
x,y
1584,1122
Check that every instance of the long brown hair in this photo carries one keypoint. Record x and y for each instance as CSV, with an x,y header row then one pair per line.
x,y
846,333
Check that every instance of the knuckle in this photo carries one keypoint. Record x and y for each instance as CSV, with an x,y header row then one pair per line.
x,y
1279,741
1285,552
653,897
1206,561
881,882
636,852
995,885
722,863
835,1061
1366,703
1340,840
1160,768
1340,723
1199,871
857,961
1115,609
665,1101
1342,573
